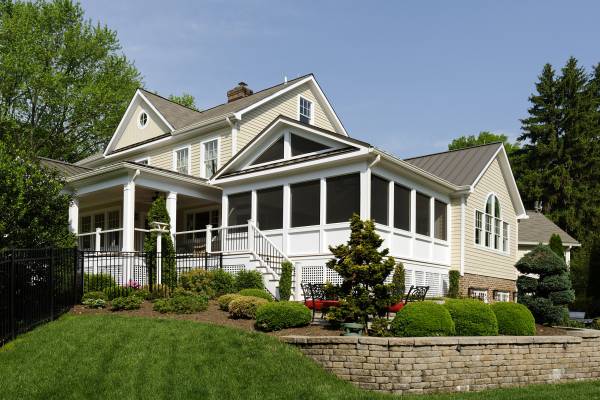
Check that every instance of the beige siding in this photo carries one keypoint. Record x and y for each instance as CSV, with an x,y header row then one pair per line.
x,y
133,134
287,104
480,260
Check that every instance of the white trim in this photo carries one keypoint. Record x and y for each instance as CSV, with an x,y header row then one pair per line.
x,y
163,119
139,117
174,153
139,160
311,119
203,154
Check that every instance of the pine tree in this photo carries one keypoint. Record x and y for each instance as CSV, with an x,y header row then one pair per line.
x,y
556,245
364,269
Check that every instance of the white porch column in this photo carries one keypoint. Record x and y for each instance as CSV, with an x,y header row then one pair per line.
x,y
365,194
172,211
128,215
74,215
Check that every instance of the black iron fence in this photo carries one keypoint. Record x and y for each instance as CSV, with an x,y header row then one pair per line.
x,y
36,286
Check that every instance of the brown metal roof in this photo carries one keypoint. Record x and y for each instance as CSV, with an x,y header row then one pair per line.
x,y
460,167
538,229
180,116
63,168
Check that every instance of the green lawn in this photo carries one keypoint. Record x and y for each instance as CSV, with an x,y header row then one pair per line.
x,y
116,357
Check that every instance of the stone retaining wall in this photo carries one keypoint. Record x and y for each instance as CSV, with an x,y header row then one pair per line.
x,y
424,365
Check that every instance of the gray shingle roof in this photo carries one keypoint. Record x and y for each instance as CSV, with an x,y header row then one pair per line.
x,y
180,117
460,167
63,168
538,229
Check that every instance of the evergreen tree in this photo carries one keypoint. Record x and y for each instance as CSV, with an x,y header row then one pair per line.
x,y
556,245
364,270
483,137
158,213
548,295
593,283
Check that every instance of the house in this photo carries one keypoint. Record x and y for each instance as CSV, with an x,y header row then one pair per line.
x,y
537,229
273,175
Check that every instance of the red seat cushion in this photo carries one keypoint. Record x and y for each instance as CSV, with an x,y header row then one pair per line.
x,y
321,304
396,307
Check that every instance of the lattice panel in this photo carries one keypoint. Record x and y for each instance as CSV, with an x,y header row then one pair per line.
x,y
233,269
333,277
312,273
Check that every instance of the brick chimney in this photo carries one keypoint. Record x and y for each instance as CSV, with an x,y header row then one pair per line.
x,y
240,91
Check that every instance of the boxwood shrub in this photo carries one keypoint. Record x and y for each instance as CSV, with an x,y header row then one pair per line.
x,y
472,317
226,299
280,315
222,282
249,280
263,294
97,282
245,306
514,319
199,281
125,303
422,318
182,302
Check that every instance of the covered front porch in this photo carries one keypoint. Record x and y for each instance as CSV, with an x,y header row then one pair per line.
x,y
110,206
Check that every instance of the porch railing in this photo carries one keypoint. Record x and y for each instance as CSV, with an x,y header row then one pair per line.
x,y
101,240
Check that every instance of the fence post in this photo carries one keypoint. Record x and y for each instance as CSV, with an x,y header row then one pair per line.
x,y
51,284
75,298
12,295
208,238
158,258
98,241
250,236
221,260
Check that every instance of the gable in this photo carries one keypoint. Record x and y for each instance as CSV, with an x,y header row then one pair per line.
x,y
134,133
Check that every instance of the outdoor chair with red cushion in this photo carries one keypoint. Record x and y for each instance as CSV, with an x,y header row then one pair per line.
x,y
415,293
316,299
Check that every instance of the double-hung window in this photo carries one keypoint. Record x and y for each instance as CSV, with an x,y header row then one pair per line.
x,y
490,230
210,153
182,160
305,111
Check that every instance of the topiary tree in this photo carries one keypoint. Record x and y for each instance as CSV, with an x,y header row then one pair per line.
x,y
158,213
398,282
363,269
557,246
285,281
548,295
454,284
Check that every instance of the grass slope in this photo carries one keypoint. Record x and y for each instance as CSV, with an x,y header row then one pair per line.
x,y
115,357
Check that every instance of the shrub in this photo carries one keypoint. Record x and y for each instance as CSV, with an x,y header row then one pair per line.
x,y
94,296
117,291
422,318
281,315
249,280
380,327
182,302
398,282
514,319
245,306
197,280
263,294
472,317
454,284
222,283
285,281
556,245
97,282
143,294
94,302
226,299
126,303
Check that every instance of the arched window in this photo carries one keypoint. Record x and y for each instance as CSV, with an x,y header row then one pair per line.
x,y
490,230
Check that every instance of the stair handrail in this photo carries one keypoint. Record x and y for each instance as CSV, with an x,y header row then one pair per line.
x,y
254,250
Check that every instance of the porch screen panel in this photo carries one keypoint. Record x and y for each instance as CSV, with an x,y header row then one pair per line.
x,y
114,238
379,200
240,206
273,153
401,207
305,207
423,214
441,223
343,197
269,208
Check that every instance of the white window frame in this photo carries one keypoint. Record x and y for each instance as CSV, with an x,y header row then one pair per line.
x,y
312,109
189,166
203,155
139,117
493,221
139,160
502,296
479,294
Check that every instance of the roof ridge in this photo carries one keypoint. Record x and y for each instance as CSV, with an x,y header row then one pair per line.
x,y
62,162
169,100
455,150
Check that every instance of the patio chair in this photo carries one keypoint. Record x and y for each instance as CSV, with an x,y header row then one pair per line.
x,y
415,293
315,298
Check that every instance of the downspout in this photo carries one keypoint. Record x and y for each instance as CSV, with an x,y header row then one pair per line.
x,y
462,234
234,125
375,161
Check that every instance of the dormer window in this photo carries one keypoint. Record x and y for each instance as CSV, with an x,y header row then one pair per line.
x,y
305,114
143,120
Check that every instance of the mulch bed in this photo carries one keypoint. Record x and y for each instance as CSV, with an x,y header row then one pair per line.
x,y
213,315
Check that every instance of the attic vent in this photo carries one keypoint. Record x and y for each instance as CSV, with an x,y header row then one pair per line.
x,y
239,92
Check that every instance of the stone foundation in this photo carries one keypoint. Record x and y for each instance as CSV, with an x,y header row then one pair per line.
x,y
453,364
488,284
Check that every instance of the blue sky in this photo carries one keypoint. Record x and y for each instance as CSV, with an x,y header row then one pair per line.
x,y
405,76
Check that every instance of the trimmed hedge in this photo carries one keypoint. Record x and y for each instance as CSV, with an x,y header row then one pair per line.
x,y
222,282
281,315
197,280
245,306
263,294
422,318
126,303
226,299
182,302
514,319
472,317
